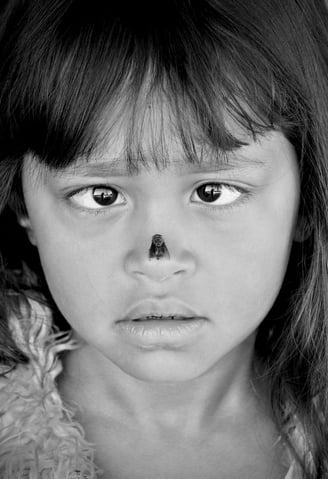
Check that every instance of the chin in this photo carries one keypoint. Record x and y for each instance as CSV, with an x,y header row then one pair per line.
x,y
163,368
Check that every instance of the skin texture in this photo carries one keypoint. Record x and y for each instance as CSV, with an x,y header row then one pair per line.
x,y
227,262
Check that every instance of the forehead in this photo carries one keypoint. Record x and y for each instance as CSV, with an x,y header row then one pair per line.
x,y
151,138
260,153
107,165
152,135
153,141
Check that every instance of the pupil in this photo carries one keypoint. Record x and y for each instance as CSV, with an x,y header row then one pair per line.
x,y
209,192
104,196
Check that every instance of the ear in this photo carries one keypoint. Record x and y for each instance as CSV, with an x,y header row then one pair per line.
x,y
303,230
25,223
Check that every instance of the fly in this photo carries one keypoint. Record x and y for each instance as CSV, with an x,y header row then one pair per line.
x,y
158,248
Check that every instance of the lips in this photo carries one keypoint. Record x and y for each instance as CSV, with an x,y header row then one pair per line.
x,y
169,309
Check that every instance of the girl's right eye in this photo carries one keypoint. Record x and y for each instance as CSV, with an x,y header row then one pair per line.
x,y
95,197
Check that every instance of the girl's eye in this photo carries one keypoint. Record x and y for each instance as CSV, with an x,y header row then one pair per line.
x,y
95,198
218,193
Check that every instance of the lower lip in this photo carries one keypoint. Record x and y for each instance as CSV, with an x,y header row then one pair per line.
x,y
165,331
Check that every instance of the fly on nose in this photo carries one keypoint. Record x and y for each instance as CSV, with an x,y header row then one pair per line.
x,y
158,248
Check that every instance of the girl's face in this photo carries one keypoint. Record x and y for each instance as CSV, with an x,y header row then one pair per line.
x,y
228,230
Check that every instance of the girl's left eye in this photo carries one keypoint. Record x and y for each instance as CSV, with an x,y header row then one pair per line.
x,y
219,194
95,197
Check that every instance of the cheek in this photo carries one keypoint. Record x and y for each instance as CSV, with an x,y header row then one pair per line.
x,y
79,275
260,272
249,257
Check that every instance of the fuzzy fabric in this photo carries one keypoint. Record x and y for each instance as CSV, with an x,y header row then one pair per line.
x,y
39,438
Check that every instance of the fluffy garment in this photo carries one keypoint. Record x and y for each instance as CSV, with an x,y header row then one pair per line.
x,y
39,438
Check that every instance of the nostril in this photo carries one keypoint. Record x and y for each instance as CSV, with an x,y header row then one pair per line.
x,y
179,271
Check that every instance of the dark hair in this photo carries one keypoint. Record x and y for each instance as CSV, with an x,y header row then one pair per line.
x,y
67,66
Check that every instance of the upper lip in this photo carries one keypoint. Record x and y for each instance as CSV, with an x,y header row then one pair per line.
x,y
152,307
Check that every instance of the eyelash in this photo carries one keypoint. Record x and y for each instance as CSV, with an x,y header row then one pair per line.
x,y
245,195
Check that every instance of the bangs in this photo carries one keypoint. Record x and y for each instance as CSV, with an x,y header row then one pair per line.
x,y
81,70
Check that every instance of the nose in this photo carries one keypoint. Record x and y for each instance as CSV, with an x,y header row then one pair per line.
x,y
143,264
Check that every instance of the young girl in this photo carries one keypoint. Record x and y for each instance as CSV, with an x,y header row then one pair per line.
x,y
164,239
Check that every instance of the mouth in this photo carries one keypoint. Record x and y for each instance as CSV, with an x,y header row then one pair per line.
x,y
169,323
170,309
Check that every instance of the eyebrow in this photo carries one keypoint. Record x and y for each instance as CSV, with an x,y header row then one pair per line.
x,y
117,166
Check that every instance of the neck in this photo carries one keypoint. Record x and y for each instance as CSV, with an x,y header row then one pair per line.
x,y
224,393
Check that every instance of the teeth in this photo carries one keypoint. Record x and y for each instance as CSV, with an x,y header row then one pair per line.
x,y
156,316
161,316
